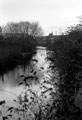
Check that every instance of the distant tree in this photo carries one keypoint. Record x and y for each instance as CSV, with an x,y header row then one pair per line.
x,y
0,30
21,27
75,31
32,29
35,29
75,28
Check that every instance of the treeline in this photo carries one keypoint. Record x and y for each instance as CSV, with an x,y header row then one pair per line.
x,y
25,27
12,32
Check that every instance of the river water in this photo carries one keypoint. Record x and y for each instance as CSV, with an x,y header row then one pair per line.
x,y
39,66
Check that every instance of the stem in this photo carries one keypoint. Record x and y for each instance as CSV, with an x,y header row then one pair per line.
x,y
9,92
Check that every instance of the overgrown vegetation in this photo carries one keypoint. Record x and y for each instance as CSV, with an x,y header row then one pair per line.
x,y
68,58
31,104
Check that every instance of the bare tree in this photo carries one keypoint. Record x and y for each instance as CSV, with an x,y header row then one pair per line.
x,y
35,29
32,29
21,27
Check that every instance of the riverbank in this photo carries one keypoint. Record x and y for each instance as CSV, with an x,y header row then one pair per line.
x,y
12,52
68,58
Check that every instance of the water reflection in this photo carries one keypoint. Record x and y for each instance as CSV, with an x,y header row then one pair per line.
x,y
9,81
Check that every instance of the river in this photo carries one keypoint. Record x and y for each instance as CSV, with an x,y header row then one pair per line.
x,y
38,67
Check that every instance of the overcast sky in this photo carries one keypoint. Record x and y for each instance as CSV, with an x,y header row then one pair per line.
x,y
52,15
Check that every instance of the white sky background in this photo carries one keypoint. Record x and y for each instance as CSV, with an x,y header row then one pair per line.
x,y
51,14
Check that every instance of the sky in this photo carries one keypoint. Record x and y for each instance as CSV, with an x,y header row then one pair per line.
x,y
52,15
